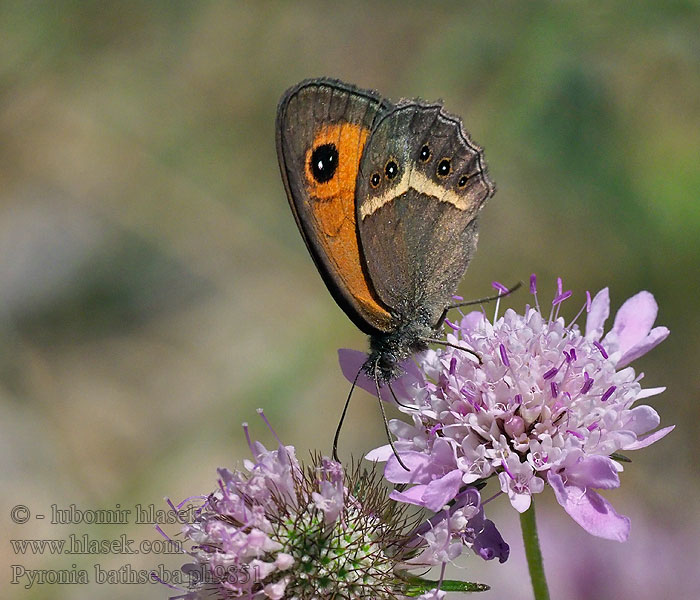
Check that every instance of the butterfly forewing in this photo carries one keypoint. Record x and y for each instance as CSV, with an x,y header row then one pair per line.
x,y
322,128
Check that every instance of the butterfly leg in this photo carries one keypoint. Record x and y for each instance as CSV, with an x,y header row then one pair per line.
x,y
487,299
386,423
444,343
342,418
391,389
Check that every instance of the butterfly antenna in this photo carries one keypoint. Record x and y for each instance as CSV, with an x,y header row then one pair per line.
x,y
386,423
342,417
391,389
487,299
444,343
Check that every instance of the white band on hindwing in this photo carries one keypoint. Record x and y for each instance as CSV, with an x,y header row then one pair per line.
x,y
421,184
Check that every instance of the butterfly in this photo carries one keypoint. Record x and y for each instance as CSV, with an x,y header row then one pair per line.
x,y
387,198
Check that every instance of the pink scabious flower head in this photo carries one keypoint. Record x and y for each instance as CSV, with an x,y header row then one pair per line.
x,y
279,530
547,404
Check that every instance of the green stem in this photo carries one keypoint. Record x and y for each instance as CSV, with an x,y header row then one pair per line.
x,y
533,553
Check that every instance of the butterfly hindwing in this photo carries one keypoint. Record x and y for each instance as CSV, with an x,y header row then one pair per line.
x,y
422,183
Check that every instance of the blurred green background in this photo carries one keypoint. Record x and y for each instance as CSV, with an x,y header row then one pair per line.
x,y
154,290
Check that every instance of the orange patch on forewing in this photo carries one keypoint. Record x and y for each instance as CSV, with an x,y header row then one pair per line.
x,y
333,208
349,139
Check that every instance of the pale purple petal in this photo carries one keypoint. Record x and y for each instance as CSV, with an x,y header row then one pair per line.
x,y
440,491
623,438
422,469
593,472
648,392
471,320
520,500
642,419
469,496
600,311
412,495
443,454
351,362
655,337
590,510
650,439
634,320
434,495
381,454
275,591
284,561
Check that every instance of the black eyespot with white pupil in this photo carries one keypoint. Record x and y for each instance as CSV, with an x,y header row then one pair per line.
x,y
424,153
444,167
462,181
324,162
375,179
391,169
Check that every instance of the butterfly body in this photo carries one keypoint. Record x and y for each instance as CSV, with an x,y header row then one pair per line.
x,y
387,199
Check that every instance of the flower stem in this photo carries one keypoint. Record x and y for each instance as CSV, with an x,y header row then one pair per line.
x,y
533,553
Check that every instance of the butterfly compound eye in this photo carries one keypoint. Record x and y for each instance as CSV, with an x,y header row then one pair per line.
x,y
375,179
391,169
324,162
